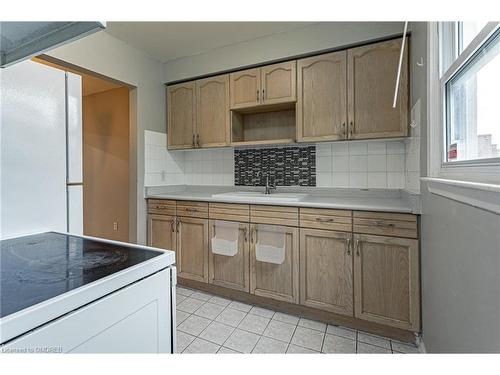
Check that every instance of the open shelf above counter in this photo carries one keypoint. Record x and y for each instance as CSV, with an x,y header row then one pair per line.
x,y
263,128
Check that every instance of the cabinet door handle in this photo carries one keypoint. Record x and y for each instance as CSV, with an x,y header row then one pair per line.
x,y
198,140
257,95
348,241
193,141
344,130
384,225
178,224
357,248
351,129
324,220
245,234
172,225
263,94
252,230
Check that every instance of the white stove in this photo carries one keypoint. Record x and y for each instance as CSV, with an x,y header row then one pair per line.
x,y
66,293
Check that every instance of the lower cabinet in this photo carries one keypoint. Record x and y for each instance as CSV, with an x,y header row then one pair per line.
x,y
373,277
231,271
192,248
161,231
277,281
326,270
386,280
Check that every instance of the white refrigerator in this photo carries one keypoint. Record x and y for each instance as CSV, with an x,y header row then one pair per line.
x,y
41,178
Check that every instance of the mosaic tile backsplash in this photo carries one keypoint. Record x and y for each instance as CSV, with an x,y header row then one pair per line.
x,y
286,166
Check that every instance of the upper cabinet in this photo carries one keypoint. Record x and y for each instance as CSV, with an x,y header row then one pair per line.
x,y
342,95
278,83
181,108
322,97
245,88
271,84
212,114
372,73
198,113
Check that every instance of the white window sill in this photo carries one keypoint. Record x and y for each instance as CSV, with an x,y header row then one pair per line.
x,y
476,194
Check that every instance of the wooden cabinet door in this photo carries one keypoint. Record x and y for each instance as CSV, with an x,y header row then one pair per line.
x,y
277,281
231,271
192,248
372,74
279,83
245,88
322,97
212,117
326,270
386,281
181,108
161,231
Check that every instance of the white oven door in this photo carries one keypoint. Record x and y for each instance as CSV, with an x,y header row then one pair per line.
x,y
135,319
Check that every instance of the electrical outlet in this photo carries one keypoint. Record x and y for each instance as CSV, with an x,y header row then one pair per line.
x,y
115,225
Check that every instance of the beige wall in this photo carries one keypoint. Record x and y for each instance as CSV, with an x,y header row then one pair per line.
x,y
106,164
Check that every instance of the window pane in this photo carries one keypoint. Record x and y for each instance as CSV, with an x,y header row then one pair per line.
x,y
473,107
468,31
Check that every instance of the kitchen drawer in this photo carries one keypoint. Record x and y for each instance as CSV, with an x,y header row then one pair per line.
x,y
161,206
192,209
385,224
278,215
320,218
231,212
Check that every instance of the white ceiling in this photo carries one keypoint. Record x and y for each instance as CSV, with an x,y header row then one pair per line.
x,y
167,41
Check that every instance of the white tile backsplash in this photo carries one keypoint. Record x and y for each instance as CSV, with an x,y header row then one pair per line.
x,y
209,167
374,164
361,164
161,167
377,163
357,163
396,163
358,180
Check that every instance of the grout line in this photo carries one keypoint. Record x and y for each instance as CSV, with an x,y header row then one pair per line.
x,y
324,337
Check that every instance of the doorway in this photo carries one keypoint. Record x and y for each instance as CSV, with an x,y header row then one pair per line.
x,y
107,157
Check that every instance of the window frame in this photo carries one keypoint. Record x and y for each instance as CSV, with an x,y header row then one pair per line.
x,y
479,170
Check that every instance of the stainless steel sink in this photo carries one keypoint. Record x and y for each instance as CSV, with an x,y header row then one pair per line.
x,y
259,197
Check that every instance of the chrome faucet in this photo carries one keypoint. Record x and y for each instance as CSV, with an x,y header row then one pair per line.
x,y
269,187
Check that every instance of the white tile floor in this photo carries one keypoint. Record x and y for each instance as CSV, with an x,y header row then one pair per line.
x,y
211,324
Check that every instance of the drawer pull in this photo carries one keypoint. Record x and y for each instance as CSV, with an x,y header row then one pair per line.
x,y
245,234
357,248
177,222
191,210
172,225
324,220
384,225
348,241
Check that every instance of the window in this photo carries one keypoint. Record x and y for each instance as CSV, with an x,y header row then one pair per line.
x,y
466,32
470,87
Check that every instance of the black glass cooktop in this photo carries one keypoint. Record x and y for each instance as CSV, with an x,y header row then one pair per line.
x,y
39,267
